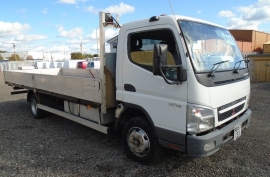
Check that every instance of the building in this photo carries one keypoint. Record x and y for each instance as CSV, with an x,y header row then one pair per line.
x,y
113,44
250,41
266,48
7,55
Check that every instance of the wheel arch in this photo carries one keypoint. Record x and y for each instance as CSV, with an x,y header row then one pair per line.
x,y
131,111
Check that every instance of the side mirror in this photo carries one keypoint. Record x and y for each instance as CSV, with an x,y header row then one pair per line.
x,y
181,74
159,57
160,65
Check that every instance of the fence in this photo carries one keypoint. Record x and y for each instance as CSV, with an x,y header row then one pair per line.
x,y
260,69
13,65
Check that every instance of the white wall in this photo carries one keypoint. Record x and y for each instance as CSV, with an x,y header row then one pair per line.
x,y
22,55
48,56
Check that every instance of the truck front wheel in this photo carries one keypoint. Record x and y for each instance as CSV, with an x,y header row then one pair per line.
x,y
36,112
139,142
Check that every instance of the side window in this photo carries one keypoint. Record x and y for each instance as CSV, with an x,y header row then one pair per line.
x,y
114,45
141,44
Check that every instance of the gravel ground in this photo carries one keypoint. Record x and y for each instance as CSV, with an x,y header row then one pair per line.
x,y
55,146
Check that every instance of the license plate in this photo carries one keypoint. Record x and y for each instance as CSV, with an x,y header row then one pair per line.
x,y
237,131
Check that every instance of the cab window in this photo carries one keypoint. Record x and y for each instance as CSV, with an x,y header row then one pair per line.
x,y
141,44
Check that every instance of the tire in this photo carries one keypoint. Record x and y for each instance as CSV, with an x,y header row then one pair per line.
x,y
36,112
139,142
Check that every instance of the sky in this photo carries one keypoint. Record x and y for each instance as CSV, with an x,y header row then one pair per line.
x,y
60,26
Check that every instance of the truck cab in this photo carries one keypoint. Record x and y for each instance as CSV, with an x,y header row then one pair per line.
x,y
187,79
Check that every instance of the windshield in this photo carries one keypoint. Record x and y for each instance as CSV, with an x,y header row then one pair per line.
x,y
209,45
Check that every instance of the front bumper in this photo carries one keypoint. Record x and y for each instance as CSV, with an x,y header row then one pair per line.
x,y
196,144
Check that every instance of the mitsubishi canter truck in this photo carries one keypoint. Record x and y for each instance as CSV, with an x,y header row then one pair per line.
x,y
175,82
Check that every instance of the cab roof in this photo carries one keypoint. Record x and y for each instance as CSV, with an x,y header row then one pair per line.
x,y
166,19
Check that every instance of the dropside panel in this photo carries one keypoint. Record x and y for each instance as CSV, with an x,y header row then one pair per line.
x,y
83,88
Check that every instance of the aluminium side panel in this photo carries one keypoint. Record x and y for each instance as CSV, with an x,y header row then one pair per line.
x,y
23,79
50,80
82,88
86,73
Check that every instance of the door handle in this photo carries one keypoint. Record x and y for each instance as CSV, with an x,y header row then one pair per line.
x,y
129,88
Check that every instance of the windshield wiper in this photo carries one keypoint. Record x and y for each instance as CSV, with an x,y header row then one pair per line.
x,y
215,67
235,71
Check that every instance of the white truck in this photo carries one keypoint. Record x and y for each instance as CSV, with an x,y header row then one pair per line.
x,y
175,82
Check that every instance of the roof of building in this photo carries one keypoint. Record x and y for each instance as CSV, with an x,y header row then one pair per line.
x,y
112,40
248,30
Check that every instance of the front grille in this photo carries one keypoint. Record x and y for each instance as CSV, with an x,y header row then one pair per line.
x,y
230,113
231,104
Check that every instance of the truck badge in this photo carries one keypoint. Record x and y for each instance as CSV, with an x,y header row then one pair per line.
x,y
233,112
175,105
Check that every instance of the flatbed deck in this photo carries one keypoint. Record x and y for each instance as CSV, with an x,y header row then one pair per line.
x,y
76,83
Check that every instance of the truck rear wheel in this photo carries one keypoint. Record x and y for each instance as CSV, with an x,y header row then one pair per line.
x,y
139,142
36,112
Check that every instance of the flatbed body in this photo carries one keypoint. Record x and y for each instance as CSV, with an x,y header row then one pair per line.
x,y
76,83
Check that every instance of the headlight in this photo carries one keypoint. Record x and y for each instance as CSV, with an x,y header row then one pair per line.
x,y
199,119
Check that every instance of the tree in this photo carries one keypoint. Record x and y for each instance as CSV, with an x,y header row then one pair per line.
x,y
88,55
76,56
15,57
1,51
29,57
1,58
95,55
